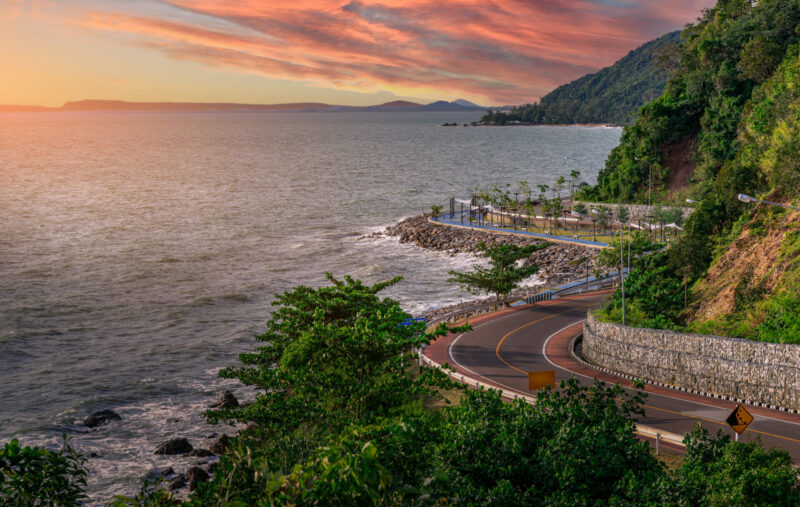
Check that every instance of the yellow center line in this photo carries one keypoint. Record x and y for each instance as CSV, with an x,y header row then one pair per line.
x,y
500,343
718,422
503,339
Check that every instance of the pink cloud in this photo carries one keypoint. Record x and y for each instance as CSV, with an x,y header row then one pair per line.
x,y
501,51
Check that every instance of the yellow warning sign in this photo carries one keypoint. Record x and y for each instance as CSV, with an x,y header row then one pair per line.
x,y
538,379
739,419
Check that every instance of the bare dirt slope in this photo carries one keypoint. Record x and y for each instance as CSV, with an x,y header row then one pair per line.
x,y
678,158
765,253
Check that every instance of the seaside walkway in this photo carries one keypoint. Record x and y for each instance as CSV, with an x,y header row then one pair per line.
x,y
458,220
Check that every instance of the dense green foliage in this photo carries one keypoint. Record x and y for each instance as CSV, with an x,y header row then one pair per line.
x,y
36,476
719,82
503,273
575,446
341,418
734,94
611,95
337,354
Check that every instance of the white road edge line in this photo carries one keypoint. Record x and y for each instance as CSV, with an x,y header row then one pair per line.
x,y
544,353
453,359
651,432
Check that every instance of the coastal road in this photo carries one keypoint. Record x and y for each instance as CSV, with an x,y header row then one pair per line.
x,y
502,348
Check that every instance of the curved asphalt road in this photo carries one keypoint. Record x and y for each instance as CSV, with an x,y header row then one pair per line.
x,y
503,350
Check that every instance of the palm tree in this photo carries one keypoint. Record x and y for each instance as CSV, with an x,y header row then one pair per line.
x,y
560,182
573,182
435,210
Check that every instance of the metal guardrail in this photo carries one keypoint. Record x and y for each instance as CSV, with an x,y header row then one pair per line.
x,y
641,430
608,280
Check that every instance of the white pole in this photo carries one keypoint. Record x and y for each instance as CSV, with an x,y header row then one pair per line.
x,y
629,248
658,442
621,264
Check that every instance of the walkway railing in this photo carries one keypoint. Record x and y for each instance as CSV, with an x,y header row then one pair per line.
x,y
456,220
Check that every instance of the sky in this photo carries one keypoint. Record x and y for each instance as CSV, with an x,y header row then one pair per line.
x,y
351,52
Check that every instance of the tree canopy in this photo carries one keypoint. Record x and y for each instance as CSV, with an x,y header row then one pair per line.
x,y
503,274
612,95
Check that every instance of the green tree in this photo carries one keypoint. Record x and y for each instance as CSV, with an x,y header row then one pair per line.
x,y
574,175
559,185
37,476
503,273
622,213
717,471
435,210
574,446
759,58
333,354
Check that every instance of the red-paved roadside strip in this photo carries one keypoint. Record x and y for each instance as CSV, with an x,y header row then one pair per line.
x,y
557,350
439,351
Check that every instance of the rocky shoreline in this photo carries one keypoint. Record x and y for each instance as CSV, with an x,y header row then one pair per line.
x,y
559,264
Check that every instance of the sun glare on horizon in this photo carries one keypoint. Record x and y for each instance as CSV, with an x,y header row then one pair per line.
x,y
354,52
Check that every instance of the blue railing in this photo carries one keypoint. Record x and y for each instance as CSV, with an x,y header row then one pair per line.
x,y
458,219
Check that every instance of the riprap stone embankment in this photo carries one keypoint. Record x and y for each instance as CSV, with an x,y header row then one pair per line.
x,y
560,263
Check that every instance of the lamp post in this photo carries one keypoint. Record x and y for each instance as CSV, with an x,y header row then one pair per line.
x,y
578,216
621,262
747,198
650,180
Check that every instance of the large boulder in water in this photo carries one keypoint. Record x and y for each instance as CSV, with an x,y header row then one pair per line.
x,y
219,445
227,400
101,417
174,446
196,475
177,482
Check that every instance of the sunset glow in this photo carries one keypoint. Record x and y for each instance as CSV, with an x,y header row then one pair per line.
x,y
355,52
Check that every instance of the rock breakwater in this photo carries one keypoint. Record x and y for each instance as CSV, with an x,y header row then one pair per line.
x,y
560,263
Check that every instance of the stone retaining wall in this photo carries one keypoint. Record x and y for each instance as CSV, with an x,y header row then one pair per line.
x,y
767,373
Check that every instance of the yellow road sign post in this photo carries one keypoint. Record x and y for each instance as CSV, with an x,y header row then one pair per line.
x,y
739,420
538,379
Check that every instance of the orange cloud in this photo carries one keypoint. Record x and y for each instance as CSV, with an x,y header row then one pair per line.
x,y
499,52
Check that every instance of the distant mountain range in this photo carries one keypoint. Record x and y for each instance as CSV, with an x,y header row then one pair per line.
x,y
119,105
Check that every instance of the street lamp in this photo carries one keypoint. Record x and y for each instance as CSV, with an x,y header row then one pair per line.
x,y
621,261
650,185
747,198
577,222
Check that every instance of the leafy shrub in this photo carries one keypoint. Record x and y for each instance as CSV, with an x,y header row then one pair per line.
x,y
37,476
782,319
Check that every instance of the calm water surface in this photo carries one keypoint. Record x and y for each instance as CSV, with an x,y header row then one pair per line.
x,y
139,252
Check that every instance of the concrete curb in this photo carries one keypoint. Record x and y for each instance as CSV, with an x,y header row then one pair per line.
x,y
697,392
641,430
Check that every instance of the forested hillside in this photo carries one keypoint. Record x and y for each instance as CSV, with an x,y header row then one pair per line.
x,y
611,95
731,106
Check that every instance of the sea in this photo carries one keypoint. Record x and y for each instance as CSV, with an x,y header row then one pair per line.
x,y
140,252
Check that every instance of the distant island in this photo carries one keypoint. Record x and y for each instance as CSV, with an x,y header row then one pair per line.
x,y
612,95
120,105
